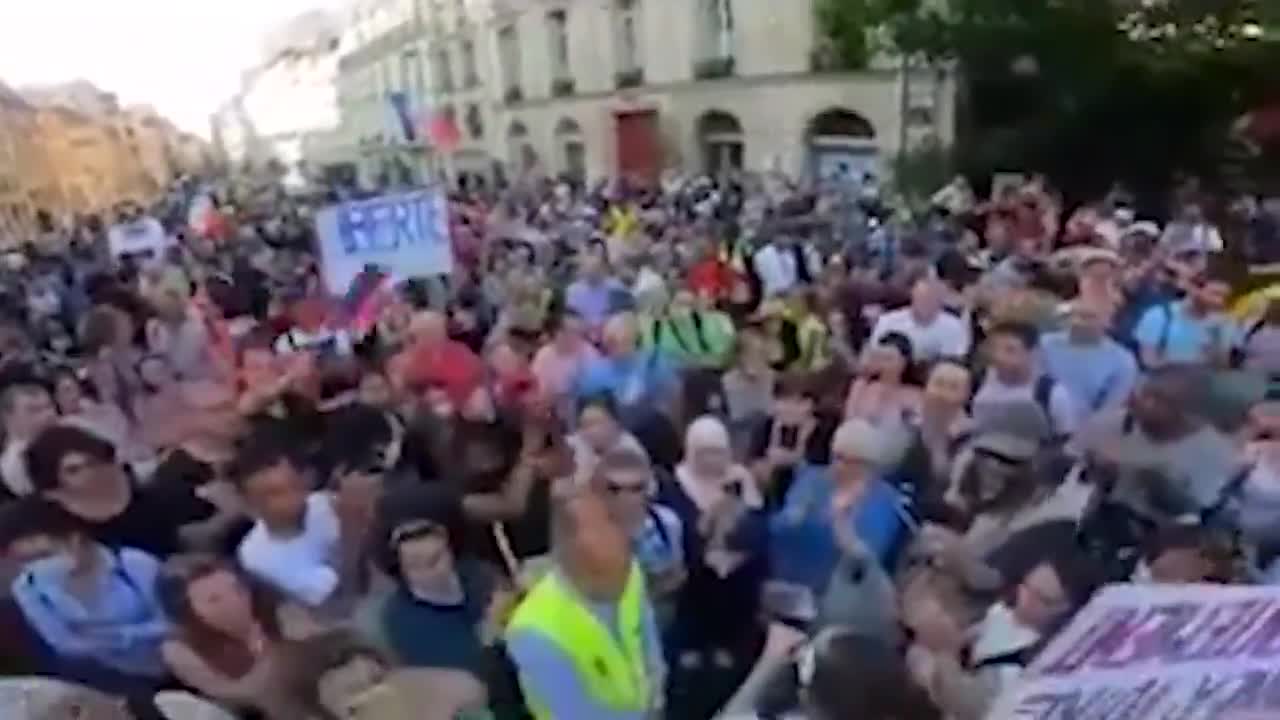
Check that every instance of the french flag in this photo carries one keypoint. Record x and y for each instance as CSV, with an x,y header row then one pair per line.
x,y
370,292
440,129
402,115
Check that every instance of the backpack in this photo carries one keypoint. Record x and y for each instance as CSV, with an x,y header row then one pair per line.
x,y
1042,394
1239,353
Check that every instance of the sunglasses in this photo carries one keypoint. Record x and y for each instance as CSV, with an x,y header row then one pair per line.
x,y
627,488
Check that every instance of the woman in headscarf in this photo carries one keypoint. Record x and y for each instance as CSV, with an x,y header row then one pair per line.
x,y
725,550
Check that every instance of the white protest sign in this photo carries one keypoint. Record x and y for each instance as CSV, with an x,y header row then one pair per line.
x,y
145,237
1143,652
406,235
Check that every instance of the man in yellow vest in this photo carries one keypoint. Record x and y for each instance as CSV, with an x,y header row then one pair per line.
x,y
584,639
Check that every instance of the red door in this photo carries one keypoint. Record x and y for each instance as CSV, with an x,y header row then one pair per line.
x,y
639,150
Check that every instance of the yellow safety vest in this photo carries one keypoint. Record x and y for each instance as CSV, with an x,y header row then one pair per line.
x,y
615,675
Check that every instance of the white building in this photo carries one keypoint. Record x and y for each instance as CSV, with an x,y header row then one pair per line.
x,y
287,106
600,87
594,88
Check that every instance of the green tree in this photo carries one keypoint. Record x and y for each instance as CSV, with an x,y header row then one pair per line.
x,y
1089,90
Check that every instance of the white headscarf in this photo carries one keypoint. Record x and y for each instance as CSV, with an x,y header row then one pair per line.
x,y
709,433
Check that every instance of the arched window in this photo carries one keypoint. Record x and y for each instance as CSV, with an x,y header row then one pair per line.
x,y
572,149
720,137
842,147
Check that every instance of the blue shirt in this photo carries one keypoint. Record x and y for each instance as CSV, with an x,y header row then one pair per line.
x,y
802,543
122,630
658,544
592,301
427,634
1097,375
549,674
1182,337
639,383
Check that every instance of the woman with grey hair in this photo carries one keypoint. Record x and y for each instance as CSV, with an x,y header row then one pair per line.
x,y
804,542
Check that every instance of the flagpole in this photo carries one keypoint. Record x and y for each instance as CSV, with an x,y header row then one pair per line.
x,y
420,43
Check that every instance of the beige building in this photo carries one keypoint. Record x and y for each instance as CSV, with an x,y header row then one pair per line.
x,y
600,87
19,166
91,166
151,139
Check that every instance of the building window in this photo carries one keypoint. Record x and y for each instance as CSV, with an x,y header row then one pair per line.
x,y
558,37
470,73
627,15
573,151
723,147
509,58
474,122
716,24
444,71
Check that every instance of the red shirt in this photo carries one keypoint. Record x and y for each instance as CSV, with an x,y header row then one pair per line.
x,y
449,365
712,277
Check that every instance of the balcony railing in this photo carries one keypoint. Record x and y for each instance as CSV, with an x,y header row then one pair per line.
x,y
712,68
562,87
629,78
513,95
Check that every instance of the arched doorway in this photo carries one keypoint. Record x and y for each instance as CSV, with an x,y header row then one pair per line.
x,y
720,137
573,151
842,146
520,152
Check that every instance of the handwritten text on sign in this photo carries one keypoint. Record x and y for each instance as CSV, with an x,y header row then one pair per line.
x,y
1156,653
407,235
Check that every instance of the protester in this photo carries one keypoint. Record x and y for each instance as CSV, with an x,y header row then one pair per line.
x,y
600,431
642,382
1097,371
850,493
225,636
559,362
1191,331
79,471
591,609
592,294
964,685
95,608
191,480
931,331
885,392
940,433
621,415
306,545
26,409
1014,379
712,637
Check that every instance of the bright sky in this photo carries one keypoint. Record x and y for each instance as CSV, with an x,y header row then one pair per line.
x,y
183,57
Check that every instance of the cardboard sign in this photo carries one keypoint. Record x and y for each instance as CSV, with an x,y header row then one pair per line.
x,y
1138,652
404,235
144,237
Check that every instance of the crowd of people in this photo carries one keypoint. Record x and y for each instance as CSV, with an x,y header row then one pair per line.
x,y
683,452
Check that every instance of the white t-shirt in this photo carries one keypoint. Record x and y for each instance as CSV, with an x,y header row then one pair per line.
x,y
946,336
301,566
